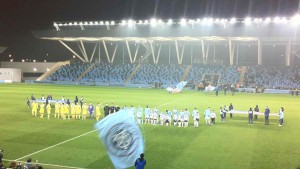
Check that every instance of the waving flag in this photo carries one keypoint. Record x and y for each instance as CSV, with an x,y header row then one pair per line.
x,y
181,85
122,138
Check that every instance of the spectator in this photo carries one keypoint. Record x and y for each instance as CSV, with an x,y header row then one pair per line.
x,y
140,162
28,164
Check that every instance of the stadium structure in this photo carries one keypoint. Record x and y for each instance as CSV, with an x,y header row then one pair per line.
x,y
241,51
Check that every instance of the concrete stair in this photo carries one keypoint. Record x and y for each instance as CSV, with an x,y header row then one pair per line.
x,y
185,73
52,70
133,73
242,74
86,71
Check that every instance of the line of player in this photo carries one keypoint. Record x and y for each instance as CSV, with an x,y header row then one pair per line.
x,y
66,111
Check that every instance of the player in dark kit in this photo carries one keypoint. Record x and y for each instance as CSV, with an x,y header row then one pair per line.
x,y
106,110
267,112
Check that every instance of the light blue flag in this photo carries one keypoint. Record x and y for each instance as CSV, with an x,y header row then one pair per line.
x,y
181,85
122,138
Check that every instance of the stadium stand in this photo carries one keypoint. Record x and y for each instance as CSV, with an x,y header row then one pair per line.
x,y
279,77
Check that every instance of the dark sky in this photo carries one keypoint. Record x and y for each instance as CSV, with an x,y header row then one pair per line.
x,y
19,17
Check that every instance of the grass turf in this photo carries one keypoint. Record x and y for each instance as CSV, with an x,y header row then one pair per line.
x,y
233,145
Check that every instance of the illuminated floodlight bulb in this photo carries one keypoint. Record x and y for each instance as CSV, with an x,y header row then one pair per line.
x,y
96,23
170,21
217,20
85,23
248,21
140,22
65,24
159,21
146,22
191,21
91,23
60,24
232,20
101,23
283,20
123,22
33,60
130,22
182,21
75,23
112,22
295,19
80,23
210,21
204,21
198,20
267,20
276,20
106,23
23,60
55,24
47,69
34,69
224,20
153,22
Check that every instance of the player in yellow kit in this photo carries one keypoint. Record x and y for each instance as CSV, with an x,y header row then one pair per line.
x,y
84,111
42,110
34,107
62,110
57,108
78,111
48,107
73,110
98,113
66,111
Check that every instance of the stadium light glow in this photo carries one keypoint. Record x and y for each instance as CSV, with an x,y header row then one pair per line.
x,y
45,60
267,20
123,22
159,21
140,22
191,21
198,20
23,60
74,57
85,23
112,22
295,19
75,23
170,21
9,55
276,20
232,21
153,22
283,20
248,21
106,23
34,69
217,20
96,23
183,21
11,60
47,69
80,23
33,60
146,22
101,23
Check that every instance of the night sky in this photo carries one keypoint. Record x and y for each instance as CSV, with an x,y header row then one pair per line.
x,y
19,17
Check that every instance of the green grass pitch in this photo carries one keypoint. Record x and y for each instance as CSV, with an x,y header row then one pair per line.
x,y
234,145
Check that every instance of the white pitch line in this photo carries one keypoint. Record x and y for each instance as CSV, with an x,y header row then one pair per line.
x,y
55,145
53,165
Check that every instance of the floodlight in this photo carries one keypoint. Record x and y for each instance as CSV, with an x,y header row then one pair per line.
x,y
34,69
198,20
9,55
112,22
140,22
191,21
74,57
47,69
55,24
267,20
11,60
248,21
75,23
182,21
153,22
45,60
217,20
170,21
210,21
91,23
85,23
276,20
33,60
129,22
295,19
224,20
232,20
146,22
101,23
23,60
123,22
160,21
283,20
106,23
80,23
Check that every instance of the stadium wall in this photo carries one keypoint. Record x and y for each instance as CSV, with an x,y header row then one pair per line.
x,y
8,75
29,70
